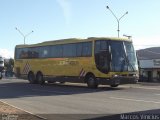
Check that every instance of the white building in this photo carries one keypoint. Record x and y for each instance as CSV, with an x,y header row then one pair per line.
x,y
150,70
149,64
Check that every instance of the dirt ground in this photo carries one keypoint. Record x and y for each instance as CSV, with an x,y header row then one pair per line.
x,y
8,112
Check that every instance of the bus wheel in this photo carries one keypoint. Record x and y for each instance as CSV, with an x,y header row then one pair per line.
x,y
31,78
62,82
92,82
51,81
1,75
116,85
40,79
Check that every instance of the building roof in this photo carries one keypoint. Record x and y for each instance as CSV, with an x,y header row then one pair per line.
x,y
149,53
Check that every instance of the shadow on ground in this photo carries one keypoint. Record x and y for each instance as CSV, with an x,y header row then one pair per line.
x,y
12,89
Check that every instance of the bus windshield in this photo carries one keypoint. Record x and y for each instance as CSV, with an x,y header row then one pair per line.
x,y
131,56
123,56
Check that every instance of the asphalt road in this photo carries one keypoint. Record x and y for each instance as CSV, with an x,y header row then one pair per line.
x,y
76,101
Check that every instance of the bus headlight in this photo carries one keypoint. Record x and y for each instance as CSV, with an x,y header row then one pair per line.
x,y
114,76
136,75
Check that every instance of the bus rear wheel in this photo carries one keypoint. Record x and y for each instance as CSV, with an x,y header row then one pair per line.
x,y
31,78
92,82
40,79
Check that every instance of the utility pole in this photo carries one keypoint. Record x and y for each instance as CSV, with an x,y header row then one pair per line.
x,y
118,19
24,36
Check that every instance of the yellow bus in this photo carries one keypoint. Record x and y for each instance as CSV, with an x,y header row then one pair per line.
x,y
110,61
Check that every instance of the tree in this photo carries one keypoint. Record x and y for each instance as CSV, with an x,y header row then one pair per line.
x,y
9,64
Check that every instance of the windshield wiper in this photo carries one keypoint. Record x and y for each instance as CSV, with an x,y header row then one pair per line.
x,y
123,63
129,64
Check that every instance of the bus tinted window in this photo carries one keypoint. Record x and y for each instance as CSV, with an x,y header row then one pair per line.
x,y
79,49
44,51
103,45
34,52
87,49
56,51
97,46
101,56
69,50
17,53
23,53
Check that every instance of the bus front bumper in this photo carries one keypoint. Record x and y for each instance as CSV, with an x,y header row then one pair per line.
x,y
118,80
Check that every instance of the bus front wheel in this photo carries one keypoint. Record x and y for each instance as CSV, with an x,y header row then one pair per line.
x,y
115,85
40,79
92,82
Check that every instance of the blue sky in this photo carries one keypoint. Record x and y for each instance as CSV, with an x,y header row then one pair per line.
x,y
58,19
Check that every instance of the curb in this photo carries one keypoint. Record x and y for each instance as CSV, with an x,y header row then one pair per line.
x,y
149,83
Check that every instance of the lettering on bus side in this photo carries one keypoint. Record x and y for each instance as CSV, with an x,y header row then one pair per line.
x,y
68,62
63,63
73,62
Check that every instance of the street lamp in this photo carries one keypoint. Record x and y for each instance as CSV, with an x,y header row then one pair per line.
x,y
118,19
24,36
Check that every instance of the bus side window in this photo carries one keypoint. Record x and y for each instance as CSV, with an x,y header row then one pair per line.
x,y
56,51
24,53
34,52
79,49
87,49
44,52
17,53
69,50
101,56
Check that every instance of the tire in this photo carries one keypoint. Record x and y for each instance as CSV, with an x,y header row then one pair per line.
x,y
114,85
31,78
40,79
62,82
1,76
92,82
51,81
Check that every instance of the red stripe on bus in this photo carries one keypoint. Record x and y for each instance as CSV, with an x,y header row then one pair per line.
x,y
56,58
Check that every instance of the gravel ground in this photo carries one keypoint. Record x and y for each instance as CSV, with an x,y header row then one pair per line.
x,y
8,112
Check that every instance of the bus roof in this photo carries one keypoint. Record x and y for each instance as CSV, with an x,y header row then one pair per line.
x,y
71,40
